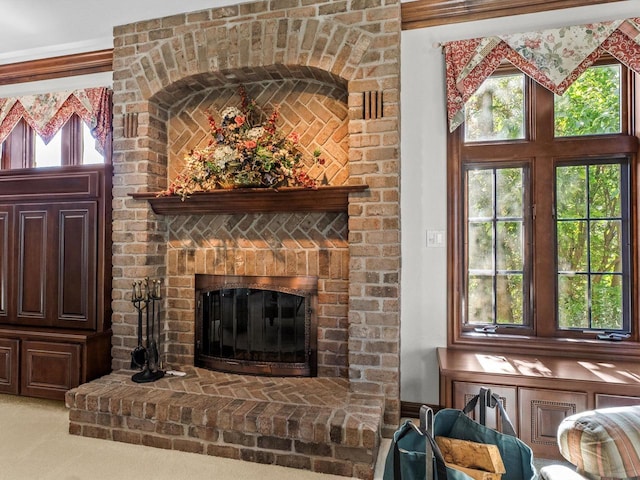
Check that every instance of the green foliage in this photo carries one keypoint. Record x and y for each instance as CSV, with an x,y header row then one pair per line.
x,y
496,110
591,105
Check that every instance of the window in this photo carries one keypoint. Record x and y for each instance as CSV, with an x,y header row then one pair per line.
x,y
592,246
542,227
497,283
72,145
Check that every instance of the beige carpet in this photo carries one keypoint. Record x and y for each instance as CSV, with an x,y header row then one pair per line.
x,y
35,445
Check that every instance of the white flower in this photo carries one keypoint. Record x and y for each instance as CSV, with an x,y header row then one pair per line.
x,y
255,133
224,155
230,113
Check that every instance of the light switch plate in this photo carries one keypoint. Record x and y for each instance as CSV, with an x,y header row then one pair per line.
x,y
435,238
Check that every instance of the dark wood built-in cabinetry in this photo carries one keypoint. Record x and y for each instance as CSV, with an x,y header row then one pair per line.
x,y
538,391
55,276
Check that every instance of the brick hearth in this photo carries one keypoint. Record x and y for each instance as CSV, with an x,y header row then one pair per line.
x,y
312,423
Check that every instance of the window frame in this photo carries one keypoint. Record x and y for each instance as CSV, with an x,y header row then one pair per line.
x,y
527,253
542,151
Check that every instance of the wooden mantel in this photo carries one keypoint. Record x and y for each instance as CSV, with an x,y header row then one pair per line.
x,y
254,200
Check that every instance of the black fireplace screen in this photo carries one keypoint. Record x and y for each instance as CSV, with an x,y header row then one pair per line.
x,y
249,328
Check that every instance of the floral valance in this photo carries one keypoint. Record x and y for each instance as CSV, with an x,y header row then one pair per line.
x,y
554,58
47,113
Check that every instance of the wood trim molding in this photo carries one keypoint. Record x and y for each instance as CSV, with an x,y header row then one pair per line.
x,y
412,409
57,67
429,13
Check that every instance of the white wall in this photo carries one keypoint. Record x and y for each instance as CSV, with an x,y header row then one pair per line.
x,y
423,175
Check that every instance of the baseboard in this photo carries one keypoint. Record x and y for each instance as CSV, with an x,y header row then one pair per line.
x,y
412,409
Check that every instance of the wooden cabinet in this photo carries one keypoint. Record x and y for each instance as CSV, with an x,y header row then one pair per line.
x,y
54,278
538,392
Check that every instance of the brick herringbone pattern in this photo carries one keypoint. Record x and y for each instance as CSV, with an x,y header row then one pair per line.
x,y
271,231
316,111
311,423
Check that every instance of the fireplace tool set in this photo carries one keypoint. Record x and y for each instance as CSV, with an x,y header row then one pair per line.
x,y
146,298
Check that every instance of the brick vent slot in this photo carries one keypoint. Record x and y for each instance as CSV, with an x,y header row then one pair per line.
x,y
372,105
256,324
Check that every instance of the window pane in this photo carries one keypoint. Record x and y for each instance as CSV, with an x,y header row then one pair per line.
x,y
480,193
509,299
49,155
480,295
571,192
573,301
509,246
496,110
589,240
607,302
509,192
604,190
606,246
481,246
591,105
89,153
495,246
572,246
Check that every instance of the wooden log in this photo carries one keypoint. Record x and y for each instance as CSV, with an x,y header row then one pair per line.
x,y
476,474
478,456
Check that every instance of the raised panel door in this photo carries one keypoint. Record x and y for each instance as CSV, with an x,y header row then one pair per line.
x,y
76,265
9,382
541,412
49,369
33,265
6,254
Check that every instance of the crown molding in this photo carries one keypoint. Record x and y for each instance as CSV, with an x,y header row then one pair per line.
x,y
57,67
430,13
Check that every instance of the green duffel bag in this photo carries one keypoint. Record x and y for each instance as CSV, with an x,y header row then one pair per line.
x,y
413,445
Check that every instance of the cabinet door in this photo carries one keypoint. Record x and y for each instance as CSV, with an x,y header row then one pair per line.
x,y
464,391
35,244
9,365
541,412
6,255
56,265
76,265
49,369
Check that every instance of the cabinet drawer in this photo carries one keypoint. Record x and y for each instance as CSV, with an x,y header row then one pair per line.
x,y
605,400
49,369
541,412
9,349
465,391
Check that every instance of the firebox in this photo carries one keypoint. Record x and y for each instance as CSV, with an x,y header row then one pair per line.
x,y
257,324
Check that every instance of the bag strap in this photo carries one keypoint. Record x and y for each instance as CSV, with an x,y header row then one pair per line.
x,y
426,425
490,400
425,429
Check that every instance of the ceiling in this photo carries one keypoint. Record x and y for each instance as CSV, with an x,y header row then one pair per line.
x,y
32,29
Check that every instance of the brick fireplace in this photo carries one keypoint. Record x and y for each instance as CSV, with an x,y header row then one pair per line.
x,y
333,69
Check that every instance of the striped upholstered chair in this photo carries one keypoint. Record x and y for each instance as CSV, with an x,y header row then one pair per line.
x,y
603,444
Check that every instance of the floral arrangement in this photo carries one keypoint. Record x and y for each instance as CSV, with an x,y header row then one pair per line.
x,y
243,153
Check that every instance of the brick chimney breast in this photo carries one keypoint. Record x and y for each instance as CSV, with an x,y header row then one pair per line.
x,y
315,60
